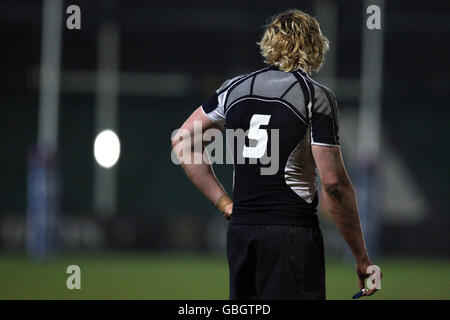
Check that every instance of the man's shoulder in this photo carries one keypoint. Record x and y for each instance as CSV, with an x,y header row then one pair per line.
x,y
319,87
230,83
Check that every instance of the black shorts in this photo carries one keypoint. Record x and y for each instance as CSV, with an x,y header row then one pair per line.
x,y
275,262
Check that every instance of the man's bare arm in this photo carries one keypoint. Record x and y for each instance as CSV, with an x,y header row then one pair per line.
x,y
340,200
201,174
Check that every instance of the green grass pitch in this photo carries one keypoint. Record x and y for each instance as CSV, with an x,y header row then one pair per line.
x,y
195,276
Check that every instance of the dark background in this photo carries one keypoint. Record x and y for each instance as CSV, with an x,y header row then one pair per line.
x,y
209,42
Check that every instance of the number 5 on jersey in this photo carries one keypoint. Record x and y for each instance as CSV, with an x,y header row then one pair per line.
x,y
258,134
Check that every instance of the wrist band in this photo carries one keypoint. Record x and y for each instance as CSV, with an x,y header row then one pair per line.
x,y
223,201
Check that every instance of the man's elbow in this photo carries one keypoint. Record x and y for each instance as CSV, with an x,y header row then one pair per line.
x,y
336,187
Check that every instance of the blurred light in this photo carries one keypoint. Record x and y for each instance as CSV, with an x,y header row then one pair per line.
x,y
107,148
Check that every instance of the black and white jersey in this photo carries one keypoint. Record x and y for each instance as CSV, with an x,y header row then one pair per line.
x,y
286,108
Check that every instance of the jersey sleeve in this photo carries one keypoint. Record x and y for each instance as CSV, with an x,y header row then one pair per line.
x,y
324,118
214,107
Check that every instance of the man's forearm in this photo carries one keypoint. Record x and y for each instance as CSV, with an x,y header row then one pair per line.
x,y
203,177
340,199
188,146
201,174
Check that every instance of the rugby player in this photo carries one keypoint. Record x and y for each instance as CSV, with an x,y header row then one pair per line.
x,y
274,243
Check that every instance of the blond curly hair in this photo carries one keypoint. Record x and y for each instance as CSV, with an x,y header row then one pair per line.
x,y
292,41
